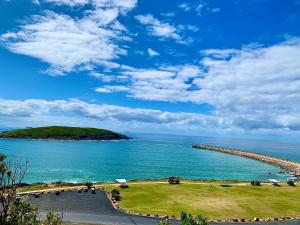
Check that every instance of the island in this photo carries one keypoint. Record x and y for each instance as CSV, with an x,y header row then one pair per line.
x,y
63,133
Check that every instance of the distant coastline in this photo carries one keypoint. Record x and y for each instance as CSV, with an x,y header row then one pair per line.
x,y
288,165
63,133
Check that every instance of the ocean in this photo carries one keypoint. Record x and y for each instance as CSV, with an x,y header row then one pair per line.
x,y
145,157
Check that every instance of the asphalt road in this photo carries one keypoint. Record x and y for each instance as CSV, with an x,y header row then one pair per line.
x,y
97,209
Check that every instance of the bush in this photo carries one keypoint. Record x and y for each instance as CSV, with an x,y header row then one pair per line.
x,y
174,180
88,185
164,222
291,183
22,213
115,194
188,219
255,183
52,219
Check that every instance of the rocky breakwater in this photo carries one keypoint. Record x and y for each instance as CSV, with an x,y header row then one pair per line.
x,y
293,167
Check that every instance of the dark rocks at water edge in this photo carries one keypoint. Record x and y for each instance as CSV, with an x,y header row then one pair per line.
x,y
293,167
64,133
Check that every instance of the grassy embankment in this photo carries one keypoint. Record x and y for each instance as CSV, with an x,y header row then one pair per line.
x,y
63,133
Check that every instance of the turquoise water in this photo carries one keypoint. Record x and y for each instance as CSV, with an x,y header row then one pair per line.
x,y
145,157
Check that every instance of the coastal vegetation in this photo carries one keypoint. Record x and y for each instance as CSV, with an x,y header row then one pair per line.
x,y
240,200
187,219
63,133
174,180
15,210
115,194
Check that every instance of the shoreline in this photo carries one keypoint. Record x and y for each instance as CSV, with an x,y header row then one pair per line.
x,y
291,166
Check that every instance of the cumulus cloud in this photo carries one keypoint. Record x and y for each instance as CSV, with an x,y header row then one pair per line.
x,y
111,114
165,30
255,87
68,43
152,52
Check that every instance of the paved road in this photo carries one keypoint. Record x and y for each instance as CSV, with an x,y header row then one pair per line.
x,y
97,209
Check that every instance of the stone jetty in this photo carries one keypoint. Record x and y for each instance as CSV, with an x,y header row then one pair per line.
x,y
293,167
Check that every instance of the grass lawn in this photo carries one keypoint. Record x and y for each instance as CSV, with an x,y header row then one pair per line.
x,y
212,200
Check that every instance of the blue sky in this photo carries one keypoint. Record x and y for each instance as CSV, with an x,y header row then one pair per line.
x,y
205,66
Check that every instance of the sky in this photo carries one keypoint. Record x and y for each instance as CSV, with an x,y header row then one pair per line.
x,y
201,67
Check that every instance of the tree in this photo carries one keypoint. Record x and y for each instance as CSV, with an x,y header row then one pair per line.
x,y
255,183
115,194
13,209
21,212
291,183
174,180
11,177
88,185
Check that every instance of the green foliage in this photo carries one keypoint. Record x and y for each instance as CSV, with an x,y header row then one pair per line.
x,y
188,219
164,222
63,133
115,194
174,180
291,183
52,219
88,185
22,213
13,209
255,183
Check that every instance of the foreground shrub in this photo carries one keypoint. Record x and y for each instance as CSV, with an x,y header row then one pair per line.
x,y
255,183
52,219
174,180
13,209
188,219
164,222
291,183
115,194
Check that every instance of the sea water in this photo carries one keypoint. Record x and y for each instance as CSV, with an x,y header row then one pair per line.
x,y
145,157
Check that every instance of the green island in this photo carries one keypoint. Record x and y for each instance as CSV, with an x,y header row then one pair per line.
x,y
63,133
214,199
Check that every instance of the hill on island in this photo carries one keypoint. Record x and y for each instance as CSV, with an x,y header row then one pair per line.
x,y
63,133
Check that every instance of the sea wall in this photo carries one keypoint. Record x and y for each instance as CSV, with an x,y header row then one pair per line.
x,y
293,167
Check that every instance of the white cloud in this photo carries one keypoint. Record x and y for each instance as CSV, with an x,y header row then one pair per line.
x,y
123,5
75,112
67,111
198,7
254,87
152,52
185,6
165,30
112,88
67,2
69,44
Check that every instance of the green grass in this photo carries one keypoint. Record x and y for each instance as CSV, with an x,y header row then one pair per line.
x,y
61,132
211,200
